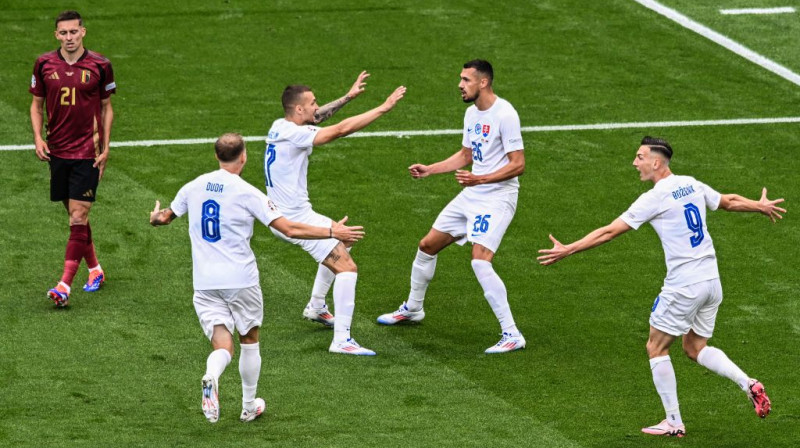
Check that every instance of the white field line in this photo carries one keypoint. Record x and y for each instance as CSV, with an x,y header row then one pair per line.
x,y
726,42
413,133
778,10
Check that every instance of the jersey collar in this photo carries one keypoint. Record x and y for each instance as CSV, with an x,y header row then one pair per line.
x,y
83,56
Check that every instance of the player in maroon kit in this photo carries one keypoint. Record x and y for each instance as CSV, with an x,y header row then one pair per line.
x,y
76,84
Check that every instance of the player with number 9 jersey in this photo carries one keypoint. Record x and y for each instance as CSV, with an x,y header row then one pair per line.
x,y
676,208
692,293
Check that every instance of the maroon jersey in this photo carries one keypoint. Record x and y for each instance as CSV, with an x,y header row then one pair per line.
x,y
73,95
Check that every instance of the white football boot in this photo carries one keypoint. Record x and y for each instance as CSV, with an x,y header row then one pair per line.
x,y
350,347
250,414
403,314
210,399
321,315
507,343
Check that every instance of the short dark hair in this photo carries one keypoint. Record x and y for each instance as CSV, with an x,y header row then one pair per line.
x,y
69,15
483,67
658,145
229,146
291,96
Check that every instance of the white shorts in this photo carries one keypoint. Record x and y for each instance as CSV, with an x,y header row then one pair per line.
x,y
481,221
319,249
676,310
242,308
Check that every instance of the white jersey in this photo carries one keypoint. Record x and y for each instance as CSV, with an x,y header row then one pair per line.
x,y
676,208
286,165
222,208
491,134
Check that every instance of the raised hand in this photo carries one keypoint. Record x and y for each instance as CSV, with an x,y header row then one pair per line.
x,y
392,100
358,86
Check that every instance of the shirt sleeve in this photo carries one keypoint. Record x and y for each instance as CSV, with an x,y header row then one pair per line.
x,y
644,209
109,85
180,204
465,141
262,207
302,136
37,83
711,196
511,132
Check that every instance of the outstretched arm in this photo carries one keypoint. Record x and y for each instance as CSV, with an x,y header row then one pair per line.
x,y
593,239
331,108
358,122
160,217
736,203
338,230
457,161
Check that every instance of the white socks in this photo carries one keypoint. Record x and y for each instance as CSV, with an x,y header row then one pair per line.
x,y
495,292
422,271
217,361
249,369
716,361
667,387
322,284
344,302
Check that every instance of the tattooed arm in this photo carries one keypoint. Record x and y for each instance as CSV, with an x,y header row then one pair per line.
x,y
331,108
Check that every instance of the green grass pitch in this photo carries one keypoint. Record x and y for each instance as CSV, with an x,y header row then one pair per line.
x,y
122,367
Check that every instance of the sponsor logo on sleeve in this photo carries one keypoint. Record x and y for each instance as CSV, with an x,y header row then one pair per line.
x,y
111,86
33,81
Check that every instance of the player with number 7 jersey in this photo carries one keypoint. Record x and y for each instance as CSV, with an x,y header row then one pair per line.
x,y
688,302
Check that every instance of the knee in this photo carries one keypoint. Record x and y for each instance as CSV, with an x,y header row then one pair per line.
x,y
426,246
654,350
77,220
78,217
692,351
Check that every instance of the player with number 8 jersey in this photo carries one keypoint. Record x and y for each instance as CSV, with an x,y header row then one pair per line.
x,y
222,209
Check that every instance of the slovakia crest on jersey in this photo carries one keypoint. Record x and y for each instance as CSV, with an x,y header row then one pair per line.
x,y
486,129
